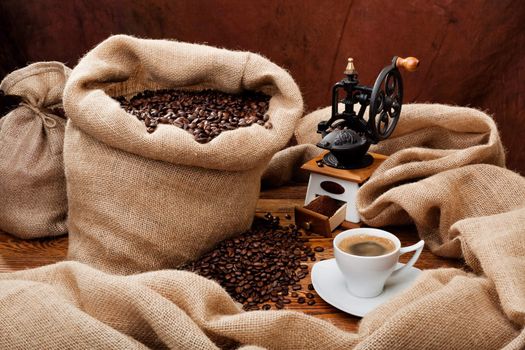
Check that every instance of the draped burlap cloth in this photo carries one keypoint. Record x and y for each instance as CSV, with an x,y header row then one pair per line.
x,y
439,127
285,165
73,306
470,209
32,185
140,201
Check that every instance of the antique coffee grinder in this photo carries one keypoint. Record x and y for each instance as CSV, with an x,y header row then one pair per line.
x,y
348,134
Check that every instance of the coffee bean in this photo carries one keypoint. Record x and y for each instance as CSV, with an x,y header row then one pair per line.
x,y
301,300
204,114
202,139
287,216
311,287
311,302
250,307
319,249
310,295
266,307
296,287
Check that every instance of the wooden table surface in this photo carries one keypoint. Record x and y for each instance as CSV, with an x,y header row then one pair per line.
x,y
17,254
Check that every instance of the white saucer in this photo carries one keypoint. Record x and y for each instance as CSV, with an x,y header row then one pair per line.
x,y
329,283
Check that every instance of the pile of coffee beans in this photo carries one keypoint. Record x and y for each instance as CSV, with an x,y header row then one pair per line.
x,y
204,114
262,266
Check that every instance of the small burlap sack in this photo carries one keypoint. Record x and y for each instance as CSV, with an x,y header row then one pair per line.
x,y
33,199
140,201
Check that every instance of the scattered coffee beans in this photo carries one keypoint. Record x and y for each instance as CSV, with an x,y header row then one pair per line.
x,y
204,114
260,265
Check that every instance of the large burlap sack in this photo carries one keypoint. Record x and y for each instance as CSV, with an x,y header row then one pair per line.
x,y
442,128
140,201
33,199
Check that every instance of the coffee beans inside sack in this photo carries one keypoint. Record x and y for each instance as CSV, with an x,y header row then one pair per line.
x,y
204,114
148,188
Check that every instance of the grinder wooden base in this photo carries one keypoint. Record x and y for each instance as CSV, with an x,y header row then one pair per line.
x,y
339,184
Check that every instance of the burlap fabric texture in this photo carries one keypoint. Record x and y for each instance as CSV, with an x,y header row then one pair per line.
x,y
444,175
140,201
73,306
32,184
285,165
472,209
444,129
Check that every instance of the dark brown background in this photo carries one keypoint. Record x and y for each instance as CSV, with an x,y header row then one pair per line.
x,y
472,52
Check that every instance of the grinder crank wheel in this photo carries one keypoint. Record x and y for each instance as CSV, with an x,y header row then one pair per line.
x,y
385,103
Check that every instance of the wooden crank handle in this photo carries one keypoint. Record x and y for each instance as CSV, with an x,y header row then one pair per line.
x,y
409,63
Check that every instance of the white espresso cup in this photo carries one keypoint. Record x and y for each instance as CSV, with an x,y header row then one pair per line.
x,y
366,275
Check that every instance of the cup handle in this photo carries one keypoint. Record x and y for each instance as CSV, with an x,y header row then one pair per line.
x,y
418,248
